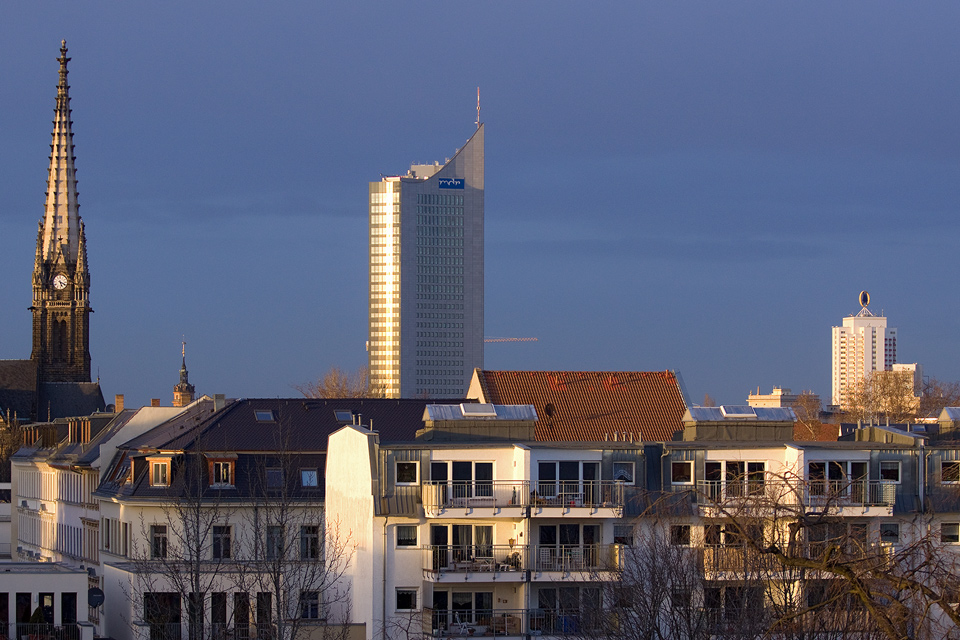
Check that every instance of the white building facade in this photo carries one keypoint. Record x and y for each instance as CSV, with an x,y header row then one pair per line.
x,y
862,345
426,277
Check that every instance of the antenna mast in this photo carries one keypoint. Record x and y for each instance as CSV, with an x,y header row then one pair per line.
x,y
478,107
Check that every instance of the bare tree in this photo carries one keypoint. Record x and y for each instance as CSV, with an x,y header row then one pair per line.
x,y
936,395
883,395
807,409
777,558
337,383
184,555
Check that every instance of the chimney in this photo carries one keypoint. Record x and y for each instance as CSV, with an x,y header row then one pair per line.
x,y
154,402
219,401
118,402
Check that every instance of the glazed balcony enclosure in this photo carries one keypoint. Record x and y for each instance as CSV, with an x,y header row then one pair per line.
x,y
508,498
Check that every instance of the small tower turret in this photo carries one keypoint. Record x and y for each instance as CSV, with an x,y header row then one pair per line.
x,y
183,391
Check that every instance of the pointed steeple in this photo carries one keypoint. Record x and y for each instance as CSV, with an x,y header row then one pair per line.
x,y
183,392
61,279
61,219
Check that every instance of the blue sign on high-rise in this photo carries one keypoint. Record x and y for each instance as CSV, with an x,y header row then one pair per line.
x,y
451,183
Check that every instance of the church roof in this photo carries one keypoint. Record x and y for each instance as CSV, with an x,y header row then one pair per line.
x,y
18,388
69,399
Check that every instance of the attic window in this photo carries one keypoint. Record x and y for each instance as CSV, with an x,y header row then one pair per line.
x,y
475,410
344,416
737,411
159,473
264,416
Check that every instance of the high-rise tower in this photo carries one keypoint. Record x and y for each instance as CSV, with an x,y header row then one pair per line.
x,y
863,345
426,277
61,279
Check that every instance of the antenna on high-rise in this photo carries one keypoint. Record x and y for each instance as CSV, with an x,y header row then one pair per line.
x,y
478,107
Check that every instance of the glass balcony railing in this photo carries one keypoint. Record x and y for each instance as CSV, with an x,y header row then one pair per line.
x,y
509,622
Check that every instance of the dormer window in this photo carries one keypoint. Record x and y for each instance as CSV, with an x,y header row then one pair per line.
x,y
160,473
222,473
221,468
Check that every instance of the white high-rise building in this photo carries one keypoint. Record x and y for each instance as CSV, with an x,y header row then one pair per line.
x,y
863,344
426,277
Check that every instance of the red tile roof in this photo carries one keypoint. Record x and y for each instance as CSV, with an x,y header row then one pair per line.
x,y
592,406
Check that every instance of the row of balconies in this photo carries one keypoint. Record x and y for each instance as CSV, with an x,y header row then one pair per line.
x,y
512,562
509,622
601,497
815,493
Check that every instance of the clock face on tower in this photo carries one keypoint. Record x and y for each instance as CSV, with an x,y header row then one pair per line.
x,y
60,282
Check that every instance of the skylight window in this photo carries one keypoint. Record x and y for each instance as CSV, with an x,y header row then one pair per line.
x,y
264,416
344,416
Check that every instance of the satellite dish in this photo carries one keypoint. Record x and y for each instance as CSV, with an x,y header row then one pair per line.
x,y
864,299
95,597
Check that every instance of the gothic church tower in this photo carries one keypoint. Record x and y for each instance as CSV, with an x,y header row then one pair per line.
x,y
61,280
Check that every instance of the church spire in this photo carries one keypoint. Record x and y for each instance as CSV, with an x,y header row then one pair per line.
x,y
61,219
61,280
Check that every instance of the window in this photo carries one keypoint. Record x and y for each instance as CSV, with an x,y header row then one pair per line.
x,y
158,541
681,472
680,535
221,473
264,416
623,534
309,477
274,477
890,471
221,542
406,599
310,605
160,474
950,471
274,548
890,532
406,473
406,535
310,542
950,533
623,472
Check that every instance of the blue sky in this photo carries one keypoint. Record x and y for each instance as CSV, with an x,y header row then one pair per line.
x,y
697,186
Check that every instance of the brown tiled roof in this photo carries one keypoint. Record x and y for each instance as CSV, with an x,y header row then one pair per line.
x,y
591,406
815,432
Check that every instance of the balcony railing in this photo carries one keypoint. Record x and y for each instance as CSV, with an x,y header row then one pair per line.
x,y
502,494
187,631
569,558
851,493
33,631
723,491
508,622
475,558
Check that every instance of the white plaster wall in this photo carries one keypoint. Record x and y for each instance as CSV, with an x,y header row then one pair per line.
x,y
349,502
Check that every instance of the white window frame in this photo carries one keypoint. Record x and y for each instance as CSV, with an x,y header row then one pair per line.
x,y
899,471
685,483
155,467
633,471
217,468
416,473
416,536
416,597
950,463
955,535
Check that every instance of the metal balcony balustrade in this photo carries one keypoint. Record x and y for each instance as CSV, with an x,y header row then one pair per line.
x,y
508,622
475,558
215,631
878,493
523,493
43,631
571,558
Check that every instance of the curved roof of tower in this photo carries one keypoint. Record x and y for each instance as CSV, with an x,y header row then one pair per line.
x,y
592,406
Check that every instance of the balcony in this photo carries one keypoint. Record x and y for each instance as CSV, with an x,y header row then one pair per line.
x,y
187,631
509,498
567,559
864,494
509,622
28,631
461,563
